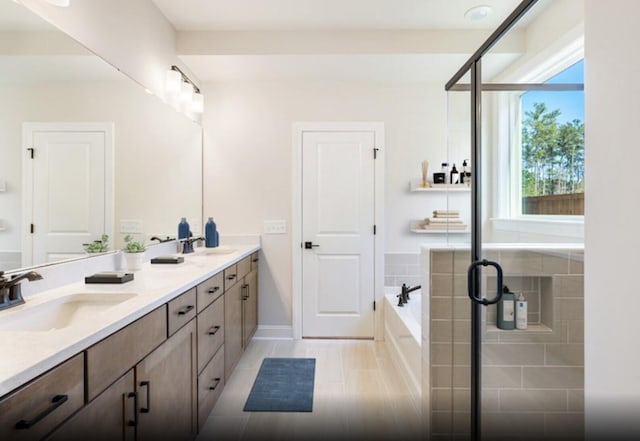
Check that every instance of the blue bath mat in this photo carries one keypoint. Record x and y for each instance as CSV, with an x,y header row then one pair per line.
x,y
283,385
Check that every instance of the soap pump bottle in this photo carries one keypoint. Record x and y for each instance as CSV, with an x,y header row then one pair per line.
x,y
521,312
454,175
506,309
210,234
183,229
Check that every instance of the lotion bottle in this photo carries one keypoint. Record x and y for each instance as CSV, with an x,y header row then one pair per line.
x,y
521,312
183,229
210,234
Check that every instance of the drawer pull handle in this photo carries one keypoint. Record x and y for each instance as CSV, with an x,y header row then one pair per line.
x,y
217,382
231,277
185,309
214,289
245,288
255,260
56,402
134,421
146,384
213,330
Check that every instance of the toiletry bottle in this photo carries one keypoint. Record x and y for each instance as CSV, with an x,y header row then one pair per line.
x,y
441,176
463,175
506,309
454,175
210,234
183,229
521,312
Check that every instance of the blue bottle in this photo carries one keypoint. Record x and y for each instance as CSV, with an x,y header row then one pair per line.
x,y
210,234
183,229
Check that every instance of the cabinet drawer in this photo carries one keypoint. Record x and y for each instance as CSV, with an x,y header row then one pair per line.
x,y
210,331
254,261
230,276
210,385
244,266
37,408
109,359
181,310
209,290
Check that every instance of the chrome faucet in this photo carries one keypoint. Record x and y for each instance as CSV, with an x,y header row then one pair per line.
x,y
10,292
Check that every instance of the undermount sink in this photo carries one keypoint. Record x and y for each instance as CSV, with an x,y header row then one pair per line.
x,y
62,312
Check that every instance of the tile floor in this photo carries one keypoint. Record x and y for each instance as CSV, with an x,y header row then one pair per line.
x,y
358,394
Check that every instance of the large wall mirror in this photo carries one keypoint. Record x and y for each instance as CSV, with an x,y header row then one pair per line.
x,y
108,157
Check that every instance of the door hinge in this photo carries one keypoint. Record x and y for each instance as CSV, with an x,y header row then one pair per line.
x,y
32,228
31,151
375,152
374,230
374,305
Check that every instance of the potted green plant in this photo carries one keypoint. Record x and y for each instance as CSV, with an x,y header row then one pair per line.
x,y
97,246
133,253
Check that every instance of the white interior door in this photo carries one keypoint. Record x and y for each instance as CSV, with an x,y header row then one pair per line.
x,y
69,190
338,194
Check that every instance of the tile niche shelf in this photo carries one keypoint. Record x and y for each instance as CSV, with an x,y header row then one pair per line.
x,y
439,192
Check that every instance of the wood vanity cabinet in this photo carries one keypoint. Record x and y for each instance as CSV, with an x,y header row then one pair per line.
x,y
110,417
35,409
241,311
166,389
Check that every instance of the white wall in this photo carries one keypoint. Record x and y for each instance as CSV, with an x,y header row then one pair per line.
x,y
134,36
248,160
612,350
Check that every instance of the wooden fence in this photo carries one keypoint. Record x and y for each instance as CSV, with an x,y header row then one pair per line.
x,y
554,204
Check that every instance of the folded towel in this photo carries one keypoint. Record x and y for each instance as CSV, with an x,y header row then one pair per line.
x,y
445,220
439,213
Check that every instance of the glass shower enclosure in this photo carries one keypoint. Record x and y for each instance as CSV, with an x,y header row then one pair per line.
x,y
506,350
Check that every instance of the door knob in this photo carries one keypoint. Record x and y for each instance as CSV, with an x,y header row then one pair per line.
x,y
309,245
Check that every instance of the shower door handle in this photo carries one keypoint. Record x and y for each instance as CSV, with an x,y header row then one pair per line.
x,y
471,277
309,245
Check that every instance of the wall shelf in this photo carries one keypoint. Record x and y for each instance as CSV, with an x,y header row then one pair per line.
x,y
417,228
415,186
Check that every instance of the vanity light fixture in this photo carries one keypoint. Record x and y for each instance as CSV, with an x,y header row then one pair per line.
x,y
478,13
179,86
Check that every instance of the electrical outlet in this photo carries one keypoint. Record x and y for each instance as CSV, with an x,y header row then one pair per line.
x,y
275,227
130,226
195,227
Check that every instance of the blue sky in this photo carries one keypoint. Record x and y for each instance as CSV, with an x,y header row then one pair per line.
x,y
571,104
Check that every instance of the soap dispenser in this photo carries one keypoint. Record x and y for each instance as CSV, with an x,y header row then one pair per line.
x,y
521,312
183,229
506,309
210,234
454,175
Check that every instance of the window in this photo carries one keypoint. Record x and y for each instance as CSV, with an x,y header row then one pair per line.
x,y
552,148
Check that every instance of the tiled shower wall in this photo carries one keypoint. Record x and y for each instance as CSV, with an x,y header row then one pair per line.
x,y
533,380
401,268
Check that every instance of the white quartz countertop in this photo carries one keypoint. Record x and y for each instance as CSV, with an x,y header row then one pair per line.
x,y
24,355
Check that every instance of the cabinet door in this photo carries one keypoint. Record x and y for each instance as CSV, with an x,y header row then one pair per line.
x,y
166,386
110,417
250,308
232,328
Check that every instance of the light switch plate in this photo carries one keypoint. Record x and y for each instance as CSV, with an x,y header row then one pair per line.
x,y
275,227
130,226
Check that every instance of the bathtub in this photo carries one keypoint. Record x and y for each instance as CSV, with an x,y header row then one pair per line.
x,y
402,334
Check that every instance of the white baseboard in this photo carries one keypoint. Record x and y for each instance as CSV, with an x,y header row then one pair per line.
x,y
274,332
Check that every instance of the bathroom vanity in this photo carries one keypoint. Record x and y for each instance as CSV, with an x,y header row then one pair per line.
x,y
142,360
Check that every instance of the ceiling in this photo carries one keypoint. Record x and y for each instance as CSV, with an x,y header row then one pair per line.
x,y
201,15
331,17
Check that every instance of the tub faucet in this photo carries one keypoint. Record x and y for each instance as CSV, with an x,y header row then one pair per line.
x,y
10,293
404,295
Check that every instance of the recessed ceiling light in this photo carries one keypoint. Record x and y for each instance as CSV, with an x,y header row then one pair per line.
x,y
478,13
